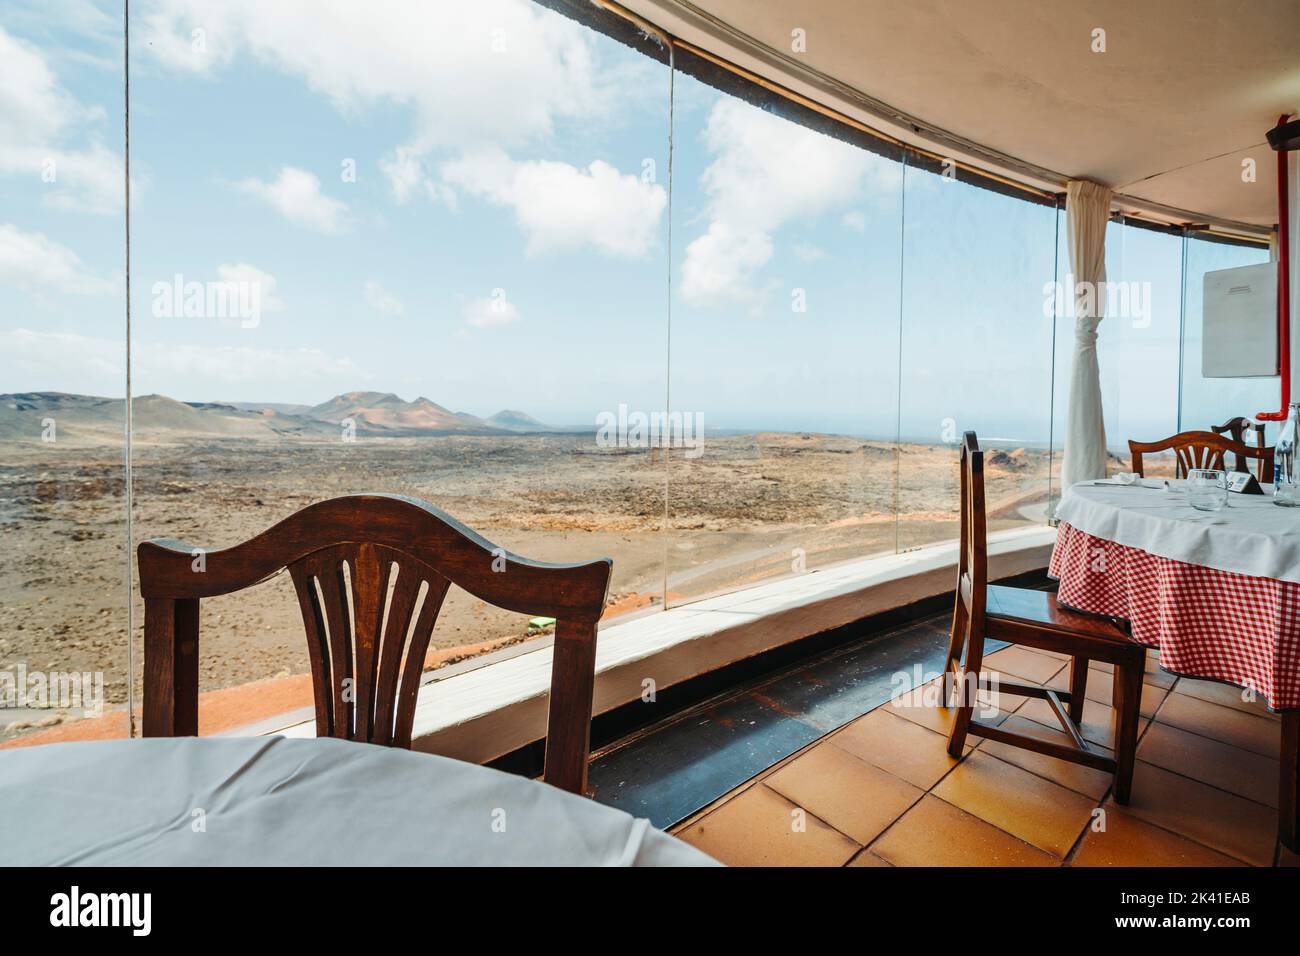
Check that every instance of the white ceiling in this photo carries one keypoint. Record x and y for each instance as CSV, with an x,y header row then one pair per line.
x,y
1183,93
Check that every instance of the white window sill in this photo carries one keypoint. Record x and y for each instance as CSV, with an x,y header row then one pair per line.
x,y
485,712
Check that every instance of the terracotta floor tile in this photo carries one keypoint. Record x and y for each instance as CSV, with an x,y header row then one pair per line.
x,y
1213,818
1027,806
1098,720
920,706
867,858
1023,664
1221,765
1085,780
1128,841
902,747
850,794
1256,734
1225,695
935,833
1153,674
756,829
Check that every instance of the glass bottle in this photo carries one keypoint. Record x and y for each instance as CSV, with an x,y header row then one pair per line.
x,y
1286,463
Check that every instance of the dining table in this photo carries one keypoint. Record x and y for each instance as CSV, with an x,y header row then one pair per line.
x,y
1215,592
252,801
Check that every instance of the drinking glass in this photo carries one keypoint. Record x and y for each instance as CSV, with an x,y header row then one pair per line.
x,y
1207,489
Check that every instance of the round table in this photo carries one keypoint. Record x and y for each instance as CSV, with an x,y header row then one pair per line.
x,y
1217,592
275,801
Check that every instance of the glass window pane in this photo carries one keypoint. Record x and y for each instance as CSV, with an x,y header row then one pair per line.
x,y
784,346
443,243
976,353
1138,345
63,585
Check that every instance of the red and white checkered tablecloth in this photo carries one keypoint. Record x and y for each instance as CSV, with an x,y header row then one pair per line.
x,y
1206,622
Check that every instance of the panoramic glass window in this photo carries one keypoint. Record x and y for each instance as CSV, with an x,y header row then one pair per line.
x,y
63,588
978,269
784,345
433,258
431,261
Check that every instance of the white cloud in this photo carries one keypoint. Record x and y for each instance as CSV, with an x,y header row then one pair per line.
x,y
38,117
405,173
484,313
62,361
35,263
560,207
493,71
720,264
381,300
69,361
808,252
496,75
765,172
855,221
296,195
406,177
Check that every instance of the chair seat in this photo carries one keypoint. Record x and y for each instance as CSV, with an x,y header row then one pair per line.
x,y
1024,605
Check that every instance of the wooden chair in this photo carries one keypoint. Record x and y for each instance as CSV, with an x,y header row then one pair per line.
x,y
367,645
1197,449
1236,429
1034,619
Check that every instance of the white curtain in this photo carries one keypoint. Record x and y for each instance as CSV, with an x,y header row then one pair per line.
x,y
1087,210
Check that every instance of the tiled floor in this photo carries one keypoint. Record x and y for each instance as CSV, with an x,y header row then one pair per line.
x,y
883,791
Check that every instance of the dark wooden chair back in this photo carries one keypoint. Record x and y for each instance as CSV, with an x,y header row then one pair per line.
x,y
1236,429
1199,449
972,558
371,573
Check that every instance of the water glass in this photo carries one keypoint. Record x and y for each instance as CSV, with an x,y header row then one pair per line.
x,y
1207,489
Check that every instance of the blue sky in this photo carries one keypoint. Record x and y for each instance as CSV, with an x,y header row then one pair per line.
x,y
503,154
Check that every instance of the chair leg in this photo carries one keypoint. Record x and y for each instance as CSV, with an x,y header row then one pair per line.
x,y
1078,687
1128,701
967,693
956,641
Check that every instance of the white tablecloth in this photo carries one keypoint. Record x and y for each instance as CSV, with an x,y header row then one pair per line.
x,y
1250,536
271,800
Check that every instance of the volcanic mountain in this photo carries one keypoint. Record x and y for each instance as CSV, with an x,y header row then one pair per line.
x,y
386,411
95,420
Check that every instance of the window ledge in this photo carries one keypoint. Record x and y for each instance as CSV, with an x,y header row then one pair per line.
x,y
487,712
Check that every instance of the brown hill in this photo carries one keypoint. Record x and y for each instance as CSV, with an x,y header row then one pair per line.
x,y
386,412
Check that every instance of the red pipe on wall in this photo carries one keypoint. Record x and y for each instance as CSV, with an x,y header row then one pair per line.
x,y
1283,287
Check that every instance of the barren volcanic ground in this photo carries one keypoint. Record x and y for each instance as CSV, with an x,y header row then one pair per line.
x,y
741,512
